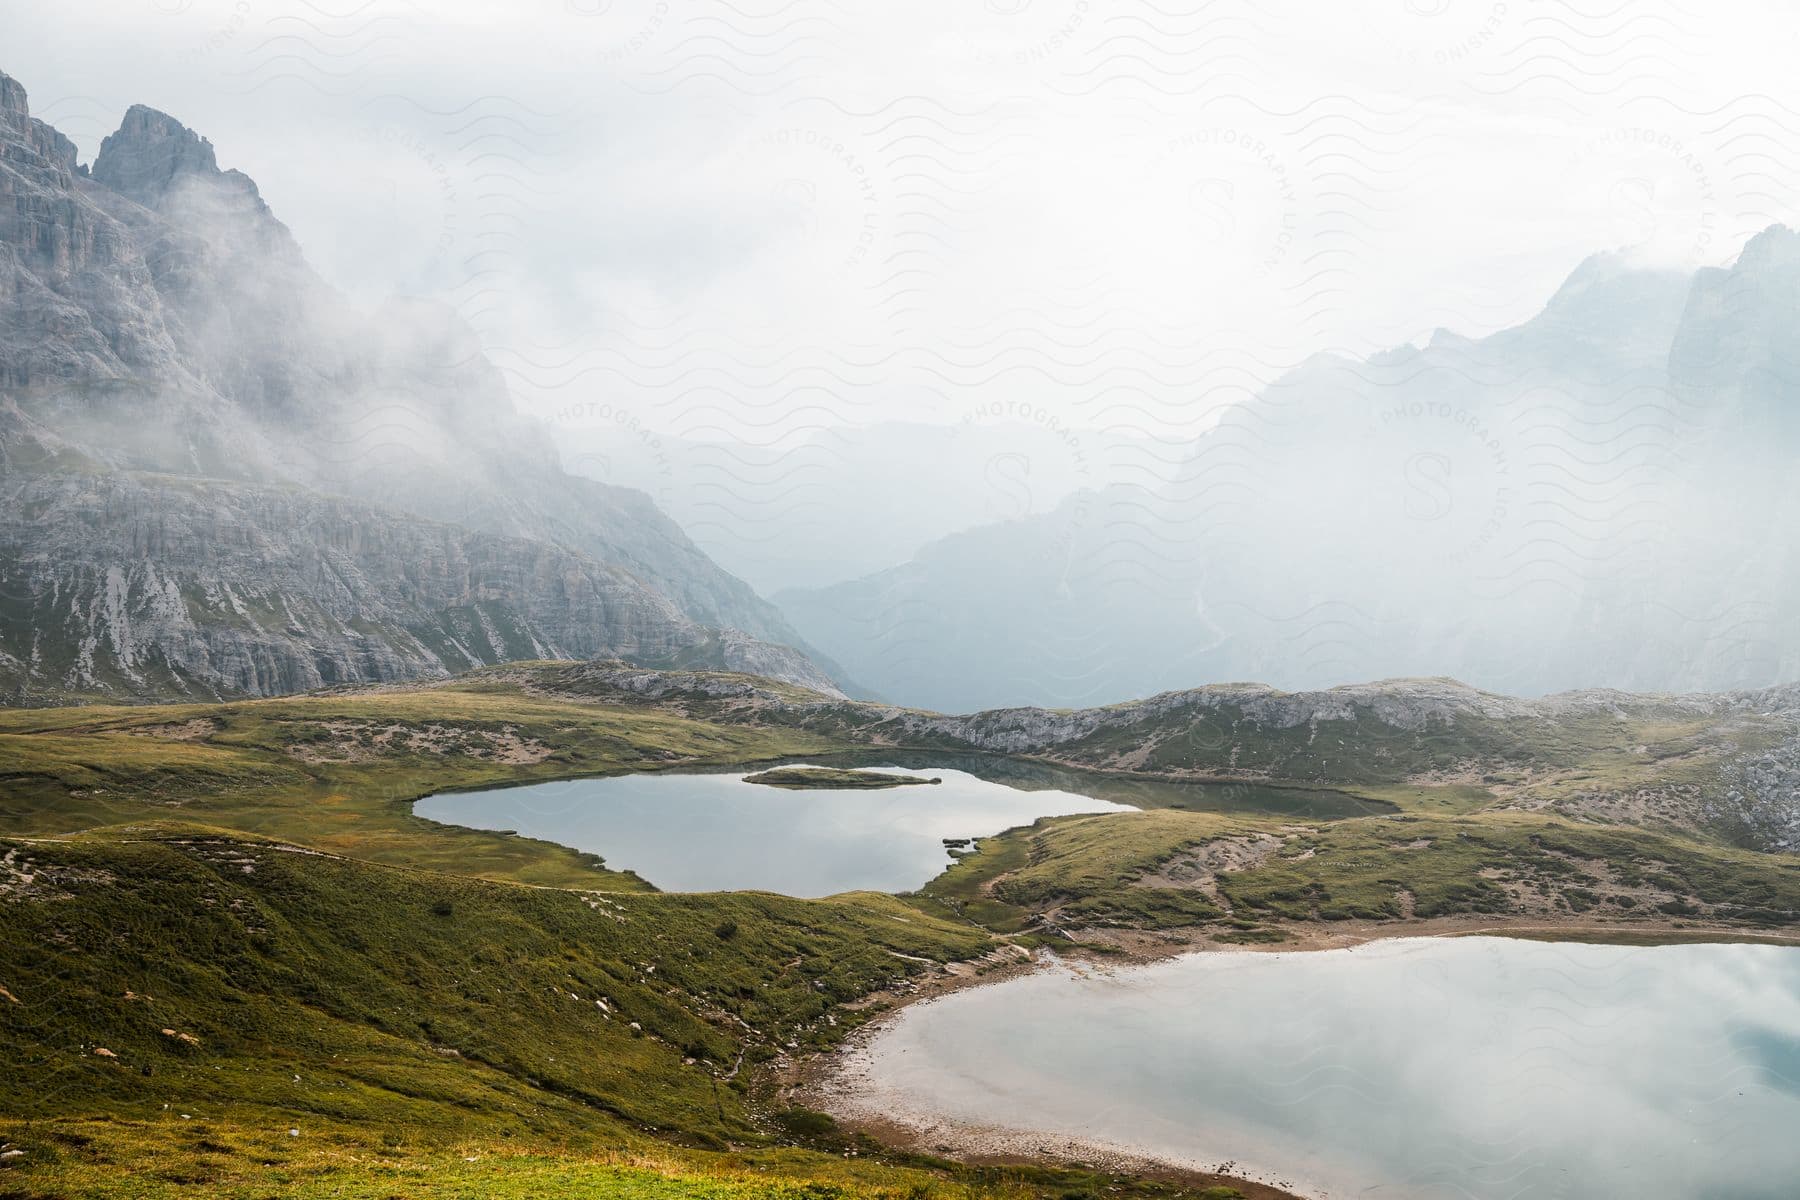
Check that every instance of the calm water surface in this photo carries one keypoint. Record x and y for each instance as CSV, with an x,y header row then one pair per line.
x,y
714,832
1472,1068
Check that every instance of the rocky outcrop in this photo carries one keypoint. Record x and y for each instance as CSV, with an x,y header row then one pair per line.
x,y
1760,803
1404,705
149,154
606,680
220,479
77,304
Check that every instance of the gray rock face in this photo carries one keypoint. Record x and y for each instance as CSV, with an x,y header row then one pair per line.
x,y
76,301
219,479
139,584
150,152
1761,803
601,678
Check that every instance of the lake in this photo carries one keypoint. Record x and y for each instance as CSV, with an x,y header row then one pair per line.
x,y
1481,1068
1234,796
697,832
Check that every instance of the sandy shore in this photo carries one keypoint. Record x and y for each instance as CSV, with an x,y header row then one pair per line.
x,y
833,1083
839,1093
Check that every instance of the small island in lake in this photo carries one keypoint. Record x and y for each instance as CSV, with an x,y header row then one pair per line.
x,y
832,777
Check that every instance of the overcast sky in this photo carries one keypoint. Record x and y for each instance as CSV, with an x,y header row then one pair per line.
x,y
755,218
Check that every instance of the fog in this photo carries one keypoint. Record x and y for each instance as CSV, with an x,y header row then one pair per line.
x,y
1188,328
770,218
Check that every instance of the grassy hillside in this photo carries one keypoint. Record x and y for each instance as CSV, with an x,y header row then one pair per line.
x,y
340,772
1249,879
393,969
236,964
184,1009
1473,800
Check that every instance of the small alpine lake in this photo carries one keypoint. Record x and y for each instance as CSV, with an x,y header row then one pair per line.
x,y
690,831
1477,1067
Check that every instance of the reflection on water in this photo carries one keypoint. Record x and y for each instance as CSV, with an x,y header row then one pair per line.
x,y
714,832
1472,1068
1312,804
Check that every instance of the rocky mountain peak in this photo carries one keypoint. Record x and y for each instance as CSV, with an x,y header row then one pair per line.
x,y
1775,248
39,140
159,324
1735,338
12,99
149,152
1611,303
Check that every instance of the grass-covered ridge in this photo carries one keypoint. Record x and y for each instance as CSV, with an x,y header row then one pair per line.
x,y
449,1011
1451,803
1233,875
175,1001
1720,767
1671,763
340,772
390,990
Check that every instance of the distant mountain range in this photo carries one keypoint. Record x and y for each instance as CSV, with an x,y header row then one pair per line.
x,y
1602,496
217,478
840,502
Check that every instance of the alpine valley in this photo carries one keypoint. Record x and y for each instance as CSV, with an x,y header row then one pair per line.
x,y
273,571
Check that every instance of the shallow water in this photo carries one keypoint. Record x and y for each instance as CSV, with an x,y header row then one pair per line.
x,y
1237,796
713,832
1478,1068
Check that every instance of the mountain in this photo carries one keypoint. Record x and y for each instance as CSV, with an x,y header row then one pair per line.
x,y
1596,497
1048,609
221,479
843,501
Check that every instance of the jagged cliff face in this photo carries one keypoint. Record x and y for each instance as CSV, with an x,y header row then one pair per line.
x,y
179,396
144,584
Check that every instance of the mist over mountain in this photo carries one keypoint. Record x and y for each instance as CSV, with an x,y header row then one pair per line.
x,y
1601,496
844,501
219,478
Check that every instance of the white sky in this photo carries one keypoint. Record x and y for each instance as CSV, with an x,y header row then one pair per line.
x,y
748,220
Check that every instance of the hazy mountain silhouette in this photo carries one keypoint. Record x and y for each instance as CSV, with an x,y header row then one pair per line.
x,y
1600,496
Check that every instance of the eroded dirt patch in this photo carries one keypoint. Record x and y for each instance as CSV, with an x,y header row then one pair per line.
x,y
1198,869
1662,806
196,730
21,878
361,741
